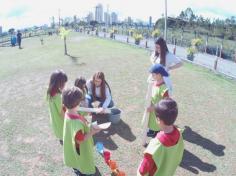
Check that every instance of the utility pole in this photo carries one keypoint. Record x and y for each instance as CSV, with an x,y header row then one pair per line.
x,y
59,17
165,34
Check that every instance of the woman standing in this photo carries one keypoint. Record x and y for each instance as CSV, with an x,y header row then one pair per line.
x,y
162,56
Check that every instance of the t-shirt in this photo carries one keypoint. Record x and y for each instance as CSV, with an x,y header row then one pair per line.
x,y
171,60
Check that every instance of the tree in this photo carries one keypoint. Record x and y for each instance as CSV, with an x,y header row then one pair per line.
x,y
64,33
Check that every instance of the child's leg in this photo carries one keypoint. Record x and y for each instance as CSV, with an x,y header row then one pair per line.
x,y
78,173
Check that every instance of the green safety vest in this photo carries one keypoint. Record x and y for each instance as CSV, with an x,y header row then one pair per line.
x,y
157,95
166,159
84,161
56,119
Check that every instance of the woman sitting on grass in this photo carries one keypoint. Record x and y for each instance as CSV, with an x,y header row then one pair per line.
x,y
99,90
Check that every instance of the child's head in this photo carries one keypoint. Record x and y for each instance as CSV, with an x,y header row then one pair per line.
x,y
80,83
72,97
57,81
158,71
166,112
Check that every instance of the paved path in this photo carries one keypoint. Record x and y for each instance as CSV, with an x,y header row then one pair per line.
x,y
224,66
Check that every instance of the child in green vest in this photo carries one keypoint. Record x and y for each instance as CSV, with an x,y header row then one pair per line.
x,y
80,82
57,83
77,136
159,91
164,152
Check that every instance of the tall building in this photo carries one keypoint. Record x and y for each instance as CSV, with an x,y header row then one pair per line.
x,y
114,18
130,21
107,18
0,30
150,21
99,13
90,17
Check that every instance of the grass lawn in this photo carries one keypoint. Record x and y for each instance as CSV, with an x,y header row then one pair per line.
x,y
28,147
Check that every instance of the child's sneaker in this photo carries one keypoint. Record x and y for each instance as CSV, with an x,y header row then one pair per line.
x,y
151,133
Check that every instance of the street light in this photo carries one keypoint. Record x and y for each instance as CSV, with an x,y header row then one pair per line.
x,y
165,33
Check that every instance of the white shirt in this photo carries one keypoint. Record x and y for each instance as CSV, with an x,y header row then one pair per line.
x,y
171,60
98,93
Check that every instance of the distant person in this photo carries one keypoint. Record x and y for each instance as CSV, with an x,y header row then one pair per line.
x,y
162,56
164,153
99,90
19,36
13,40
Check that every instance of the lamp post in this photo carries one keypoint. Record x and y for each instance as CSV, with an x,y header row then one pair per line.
x,y
165,33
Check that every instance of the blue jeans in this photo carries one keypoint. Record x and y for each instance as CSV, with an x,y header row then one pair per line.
x,y
90,100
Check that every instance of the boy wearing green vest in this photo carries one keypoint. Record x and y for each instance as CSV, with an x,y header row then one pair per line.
x,y
164,152
77,135
159,91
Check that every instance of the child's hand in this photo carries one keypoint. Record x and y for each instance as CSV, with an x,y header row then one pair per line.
x,y
101,110
150,109
95,130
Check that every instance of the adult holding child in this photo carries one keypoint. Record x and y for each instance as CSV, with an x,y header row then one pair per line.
x,y
99,91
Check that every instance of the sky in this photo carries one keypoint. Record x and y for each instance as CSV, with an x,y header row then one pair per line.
x,y
26,13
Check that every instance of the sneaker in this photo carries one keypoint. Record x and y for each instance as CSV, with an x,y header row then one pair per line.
x,y
151,133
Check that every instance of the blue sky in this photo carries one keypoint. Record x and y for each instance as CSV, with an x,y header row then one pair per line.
x,y
25,13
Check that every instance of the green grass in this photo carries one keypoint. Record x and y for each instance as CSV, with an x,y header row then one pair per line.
x,y
206,105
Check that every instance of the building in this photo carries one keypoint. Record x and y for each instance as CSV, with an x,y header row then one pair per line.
x,y
0,30
150,21
114,18
107,18
99,13
130,21
90,17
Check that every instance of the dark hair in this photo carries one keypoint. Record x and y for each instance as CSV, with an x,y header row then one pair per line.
x,y
164,50
100,75
71,97
57,79
167,111
80,82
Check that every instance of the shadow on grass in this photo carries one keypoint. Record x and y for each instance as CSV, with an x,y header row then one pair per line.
x,y
193,164
74,59
193,137
122,129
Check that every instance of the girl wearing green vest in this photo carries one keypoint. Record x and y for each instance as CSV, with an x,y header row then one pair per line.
x,y
159,91
164,153
57,83
77,136
80,82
